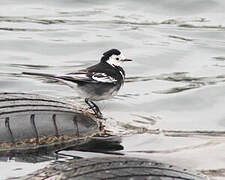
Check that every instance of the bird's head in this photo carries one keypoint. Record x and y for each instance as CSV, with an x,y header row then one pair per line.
x,y
114,57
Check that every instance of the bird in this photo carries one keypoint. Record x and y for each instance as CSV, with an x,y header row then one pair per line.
x,y
98,82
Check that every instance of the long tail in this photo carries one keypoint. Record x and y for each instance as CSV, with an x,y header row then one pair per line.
x,y
40,74
65,79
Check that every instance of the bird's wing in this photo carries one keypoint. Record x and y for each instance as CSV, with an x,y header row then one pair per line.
x,y
80,76
102,77
86,76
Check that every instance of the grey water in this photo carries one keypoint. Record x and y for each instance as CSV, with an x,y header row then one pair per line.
x,y
172,106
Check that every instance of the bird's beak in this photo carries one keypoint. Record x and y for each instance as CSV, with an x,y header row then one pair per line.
x,y
127,60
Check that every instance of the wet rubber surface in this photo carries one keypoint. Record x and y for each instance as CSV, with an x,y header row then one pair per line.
x,y
171,108
32,121
116,168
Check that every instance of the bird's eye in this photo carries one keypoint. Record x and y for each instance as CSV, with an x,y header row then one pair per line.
x,y
117,59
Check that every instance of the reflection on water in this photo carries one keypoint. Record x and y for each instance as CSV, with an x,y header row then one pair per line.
x,y
173,99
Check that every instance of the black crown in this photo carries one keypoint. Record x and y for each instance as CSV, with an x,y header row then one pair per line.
x,y
109,53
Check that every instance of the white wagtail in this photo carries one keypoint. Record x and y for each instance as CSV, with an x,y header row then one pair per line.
x,y
98,82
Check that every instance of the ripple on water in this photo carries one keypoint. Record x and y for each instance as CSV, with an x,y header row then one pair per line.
x,y
172,104
191,82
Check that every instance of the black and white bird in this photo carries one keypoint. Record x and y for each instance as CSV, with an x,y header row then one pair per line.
x,y
98,82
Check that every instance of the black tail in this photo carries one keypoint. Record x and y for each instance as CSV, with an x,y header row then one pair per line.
x,y
62,78
40,74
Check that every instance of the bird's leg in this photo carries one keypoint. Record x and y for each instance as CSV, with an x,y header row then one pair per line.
x,y
94,107
88,103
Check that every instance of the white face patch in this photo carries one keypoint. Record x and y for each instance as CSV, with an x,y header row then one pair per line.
x,y
116,60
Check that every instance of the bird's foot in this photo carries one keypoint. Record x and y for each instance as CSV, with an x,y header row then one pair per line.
x,y
94,108
96,111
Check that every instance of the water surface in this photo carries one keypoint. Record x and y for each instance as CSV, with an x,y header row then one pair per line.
x,y
171,108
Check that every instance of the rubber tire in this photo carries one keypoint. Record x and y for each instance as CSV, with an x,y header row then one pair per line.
x,y
116,168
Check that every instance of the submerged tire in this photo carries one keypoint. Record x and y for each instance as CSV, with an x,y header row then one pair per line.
x,y
116,168
31,122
